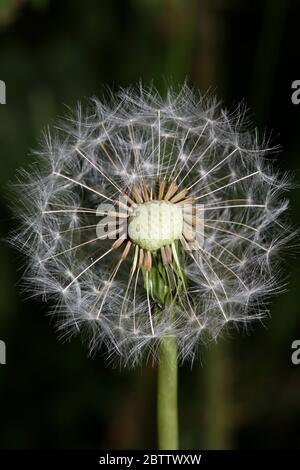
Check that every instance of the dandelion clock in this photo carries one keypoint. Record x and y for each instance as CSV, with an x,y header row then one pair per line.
x,y
150,224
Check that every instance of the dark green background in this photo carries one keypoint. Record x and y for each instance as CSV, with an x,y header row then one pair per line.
x,y
242,393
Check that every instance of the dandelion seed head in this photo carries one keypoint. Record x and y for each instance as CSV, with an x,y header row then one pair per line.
x,y
193,212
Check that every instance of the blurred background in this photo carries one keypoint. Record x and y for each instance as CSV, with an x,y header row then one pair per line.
x,y
243,393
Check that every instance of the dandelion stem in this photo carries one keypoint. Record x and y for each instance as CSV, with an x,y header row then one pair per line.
x,y
167,414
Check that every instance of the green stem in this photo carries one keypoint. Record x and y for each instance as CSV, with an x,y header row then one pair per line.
x,y
167,413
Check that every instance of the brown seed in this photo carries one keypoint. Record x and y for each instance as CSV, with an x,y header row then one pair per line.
x,y
141,257
169,254
148,261
126,250
164,256
144,191
118,242
137,196
171,191
162,186
178,197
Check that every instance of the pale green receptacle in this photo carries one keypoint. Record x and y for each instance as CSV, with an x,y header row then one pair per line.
x,y
155,224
